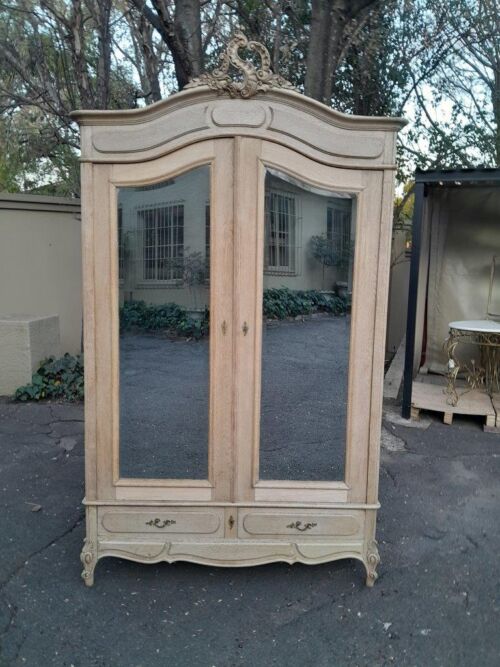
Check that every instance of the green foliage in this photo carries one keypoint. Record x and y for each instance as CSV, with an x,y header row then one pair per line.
x,y
194,268
169,316
34,156
280,303
324,251
55,57
56,378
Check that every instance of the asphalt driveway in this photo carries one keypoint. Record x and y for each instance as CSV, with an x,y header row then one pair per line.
x,y
437,601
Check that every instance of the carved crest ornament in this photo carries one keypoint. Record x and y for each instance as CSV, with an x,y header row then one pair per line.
x,y
250,79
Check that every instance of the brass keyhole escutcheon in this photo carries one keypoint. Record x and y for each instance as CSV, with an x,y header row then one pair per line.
x,y
244,328
231,521
224,328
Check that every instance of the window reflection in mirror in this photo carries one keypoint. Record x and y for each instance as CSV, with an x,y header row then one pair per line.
x,y
308,274
164,267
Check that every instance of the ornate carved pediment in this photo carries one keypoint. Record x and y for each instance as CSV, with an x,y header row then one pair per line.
x,y
249,79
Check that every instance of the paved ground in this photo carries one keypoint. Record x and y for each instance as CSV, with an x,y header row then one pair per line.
x,y
164,402
437,601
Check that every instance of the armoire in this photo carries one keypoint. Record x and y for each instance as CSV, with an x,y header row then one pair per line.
x,y
236,250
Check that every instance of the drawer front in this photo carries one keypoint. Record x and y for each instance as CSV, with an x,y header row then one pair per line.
x,y
268,523
161,521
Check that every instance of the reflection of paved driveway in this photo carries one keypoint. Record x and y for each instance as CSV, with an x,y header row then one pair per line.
x,y
164,407
164,401
304,392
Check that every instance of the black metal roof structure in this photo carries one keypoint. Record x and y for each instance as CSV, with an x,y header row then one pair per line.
x,y
457,176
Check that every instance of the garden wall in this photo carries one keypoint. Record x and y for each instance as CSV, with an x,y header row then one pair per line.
x,y
40,261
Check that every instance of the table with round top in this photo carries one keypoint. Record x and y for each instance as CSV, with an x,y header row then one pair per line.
x,y
483,373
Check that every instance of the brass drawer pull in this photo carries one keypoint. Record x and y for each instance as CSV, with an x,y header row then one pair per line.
x,y
158,523
297,525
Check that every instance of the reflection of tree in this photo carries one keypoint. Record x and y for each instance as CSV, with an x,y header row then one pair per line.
x,y
328,253
195,272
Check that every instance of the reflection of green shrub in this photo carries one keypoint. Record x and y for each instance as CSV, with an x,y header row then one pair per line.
x,y
64,379
56,378
169,316
280,303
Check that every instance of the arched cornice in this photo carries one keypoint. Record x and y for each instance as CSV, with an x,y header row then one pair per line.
x,y
257,104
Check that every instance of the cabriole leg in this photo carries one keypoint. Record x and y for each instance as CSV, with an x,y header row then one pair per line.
x,y
89,561
89,552
371,562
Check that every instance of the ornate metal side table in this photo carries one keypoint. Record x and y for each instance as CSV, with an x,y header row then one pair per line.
x,y
483,374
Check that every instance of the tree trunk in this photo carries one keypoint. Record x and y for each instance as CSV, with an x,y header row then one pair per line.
x,y
329,22
150,62
181,33
187,23
317,53
102,15
146,56
78,49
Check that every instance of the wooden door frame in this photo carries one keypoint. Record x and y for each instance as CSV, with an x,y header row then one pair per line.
x,y
252,157
101,296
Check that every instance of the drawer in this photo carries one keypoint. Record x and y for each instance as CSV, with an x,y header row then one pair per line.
x,y
303,523
161,521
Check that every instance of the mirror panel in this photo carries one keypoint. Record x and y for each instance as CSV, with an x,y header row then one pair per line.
x,y
164,269
308,272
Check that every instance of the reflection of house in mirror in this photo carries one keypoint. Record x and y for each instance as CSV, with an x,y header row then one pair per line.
x,y
164,239
309,236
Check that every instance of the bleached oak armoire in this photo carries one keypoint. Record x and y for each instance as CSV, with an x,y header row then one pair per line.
x,y
236,247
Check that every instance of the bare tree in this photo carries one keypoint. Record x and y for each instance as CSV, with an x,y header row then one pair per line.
x,y
473,81
55,57
413,57
455,92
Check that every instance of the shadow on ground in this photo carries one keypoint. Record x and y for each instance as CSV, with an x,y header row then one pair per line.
x,y
437,601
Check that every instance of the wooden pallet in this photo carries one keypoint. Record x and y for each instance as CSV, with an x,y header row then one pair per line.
x,y
427,396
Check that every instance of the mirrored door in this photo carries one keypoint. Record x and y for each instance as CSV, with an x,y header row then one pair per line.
x,y
309,239
164,295
299,435
173,294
